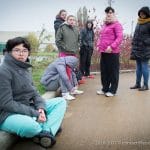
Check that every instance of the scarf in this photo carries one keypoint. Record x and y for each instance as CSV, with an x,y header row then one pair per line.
x,y
143,21
110,19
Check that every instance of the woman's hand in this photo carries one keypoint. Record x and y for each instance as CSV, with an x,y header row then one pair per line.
x,y
42,116
108,50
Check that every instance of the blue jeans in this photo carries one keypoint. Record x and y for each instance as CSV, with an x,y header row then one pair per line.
x,y
26,126
142,70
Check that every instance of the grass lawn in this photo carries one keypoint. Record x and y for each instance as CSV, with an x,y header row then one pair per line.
x,y
38,69
36,74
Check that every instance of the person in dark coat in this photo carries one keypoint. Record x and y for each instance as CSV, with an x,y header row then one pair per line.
x,y
141,48
22,110
60,18
86,49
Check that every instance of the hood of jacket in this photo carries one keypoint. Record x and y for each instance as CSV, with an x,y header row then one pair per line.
x,y
145,10
71,61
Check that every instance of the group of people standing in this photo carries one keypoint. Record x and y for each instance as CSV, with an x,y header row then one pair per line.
x,y
70,41
24,112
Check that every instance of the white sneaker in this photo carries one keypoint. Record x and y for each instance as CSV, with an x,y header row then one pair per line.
x,y
68,97
109,94
100,92
77,92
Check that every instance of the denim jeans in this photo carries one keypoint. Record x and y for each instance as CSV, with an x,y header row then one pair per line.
x,y
142,70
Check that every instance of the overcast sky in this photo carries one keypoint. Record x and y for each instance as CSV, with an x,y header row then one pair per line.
x,y
31,15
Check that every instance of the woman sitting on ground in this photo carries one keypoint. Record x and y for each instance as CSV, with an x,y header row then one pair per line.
x,y
22,109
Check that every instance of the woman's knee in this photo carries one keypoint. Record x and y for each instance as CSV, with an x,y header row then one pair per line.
x,y
56,100
30,129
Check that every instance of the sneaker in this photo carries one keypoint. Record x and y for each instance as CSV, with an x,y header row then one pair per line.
x,y
83,77
45,139
77,92
109,94
91,76
45,142
100,92
81,82
68,97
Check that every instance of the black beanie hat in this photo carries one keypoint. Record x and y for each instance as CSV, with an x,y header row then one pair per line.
x,y
145,10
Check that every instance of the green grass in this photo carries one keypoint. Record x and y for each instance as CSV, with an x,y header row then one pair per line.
x,y
36,74
38,69
52,54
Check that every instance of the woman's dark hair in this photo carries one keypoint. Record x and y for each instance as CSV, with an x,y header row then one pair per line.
x,y
89,21
108,9
11,43
59,14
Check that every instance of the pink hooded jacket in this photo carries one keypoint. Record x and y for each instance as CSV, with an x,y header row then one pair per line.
x,y
110,35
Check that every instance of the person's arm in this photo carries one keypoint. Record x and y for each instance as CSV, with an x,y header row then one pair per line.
x,y
7,103
56,25
39,102
83,38
118,31
59,40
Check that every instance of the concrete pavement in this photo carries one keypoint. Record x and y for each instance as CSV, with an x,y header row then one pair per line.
x,y
96,122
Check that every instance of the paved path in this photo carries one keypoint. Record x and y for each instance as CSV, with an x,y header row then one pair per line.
x,y
96,122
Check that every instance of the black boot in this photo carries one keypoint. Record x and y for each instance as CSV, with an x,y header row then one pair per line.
x,y
144,88
136,86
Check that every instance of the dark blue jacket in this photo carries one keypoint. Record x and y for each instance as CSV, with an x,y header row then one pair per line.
x,y
57,23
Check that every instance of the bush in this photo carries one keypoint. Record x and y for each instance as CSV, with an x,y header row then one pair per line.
x,y
49,48
33,40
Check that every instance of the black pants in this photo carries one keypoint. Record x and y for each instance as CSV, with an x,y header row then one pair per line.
x,y
85,60
109,66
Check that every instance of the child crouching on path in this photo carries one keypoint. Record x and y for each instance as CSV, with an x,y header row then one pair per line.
x,y
60,74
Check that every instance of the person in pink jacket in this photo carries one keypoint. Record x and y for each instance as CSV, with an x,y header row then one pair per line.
x,y
110,38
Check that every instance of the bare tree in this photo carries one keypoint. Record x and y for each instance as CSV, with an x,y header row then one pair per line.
x,y
110,2
82,16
